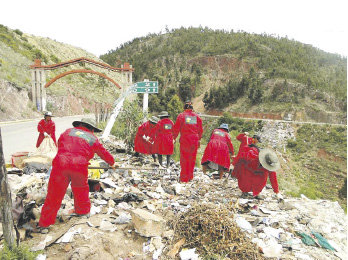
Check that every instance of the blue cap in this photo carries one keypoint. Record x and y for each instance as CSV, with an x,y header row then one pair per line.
x,y
224,126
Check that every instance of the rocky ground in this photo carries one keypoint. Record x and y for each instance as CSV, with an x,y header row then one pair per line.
x,y
133,211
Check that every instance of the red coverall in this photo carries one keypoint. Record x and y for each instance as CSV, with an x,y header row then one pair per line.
x,y
46,126
251,175
76,146
189,125
140,145
164,137
219,148
245,141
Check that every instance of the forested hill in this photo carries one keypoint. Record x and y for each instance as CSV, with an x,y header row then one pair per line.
x,y
237,71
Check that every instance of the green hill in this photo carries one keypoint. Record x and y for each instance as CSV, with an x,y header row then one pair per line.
x,y
240,72
72,94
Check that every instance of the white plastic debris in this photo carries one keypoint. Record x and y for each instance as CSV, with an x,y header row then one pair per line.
x,y
188,254
41,257
244,224
123,218
68,236
95,210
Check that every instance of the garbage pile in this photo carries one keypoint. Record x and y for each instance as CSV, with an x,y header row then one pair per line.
x,y
212,230
145,212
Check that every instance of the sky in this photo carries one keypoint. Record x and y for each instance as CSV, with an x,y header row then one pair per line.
x,y
99,26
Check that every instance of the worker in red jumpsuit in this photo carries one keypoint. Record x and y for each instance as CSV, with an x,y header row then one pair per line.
x,y
218,151
164,144
46,127
76,146
189,125
253,168
144,138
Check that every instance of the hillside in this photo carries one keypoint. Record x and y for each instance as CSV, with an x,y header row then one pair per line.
x,y
72,94
240,72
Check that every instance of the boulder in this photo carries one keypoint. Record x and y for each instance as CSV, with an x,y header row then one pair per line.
x,y
147,224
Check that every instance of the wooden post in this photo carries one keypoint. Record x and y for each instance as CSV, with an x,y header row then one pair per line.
x,y
5,201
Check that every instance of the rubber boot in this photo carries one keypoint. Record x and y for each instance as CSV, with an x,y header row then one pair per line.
x,y
160,159
154,157
168,161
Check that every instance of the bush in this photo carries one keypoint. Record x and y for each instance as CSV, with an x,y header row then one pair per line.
x,y
20,252
127,123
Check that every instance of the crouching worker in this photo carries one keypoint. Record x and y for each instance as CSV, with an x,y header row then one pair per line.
x,y
218,151
76,146
253,169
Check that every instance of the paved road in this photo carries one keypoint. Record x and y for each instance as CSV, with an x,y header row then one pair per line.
x,y
21,136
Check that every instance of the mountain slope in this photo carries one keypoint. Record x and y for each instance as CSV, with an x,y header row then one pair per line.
x,y
71,94
235,68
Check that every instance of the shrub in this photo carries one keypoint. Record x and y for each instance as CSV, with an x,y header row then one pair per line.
x,y
127,123
20,252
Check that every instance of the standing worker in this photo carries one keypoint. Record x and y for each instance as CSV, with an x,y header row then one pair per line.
x,y
218,151
189,125
76,146
164,144
46,127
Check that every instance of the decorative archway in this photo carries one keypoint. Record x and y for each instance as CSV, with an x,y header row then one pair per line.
x,y
81,71
39,84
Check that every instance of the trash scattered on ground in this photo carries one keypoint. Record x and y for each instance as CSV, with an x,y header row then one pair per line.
x,y
149,214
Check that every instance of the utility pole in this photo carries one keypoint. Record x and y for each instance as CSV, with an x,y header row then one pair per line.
x,y
5,201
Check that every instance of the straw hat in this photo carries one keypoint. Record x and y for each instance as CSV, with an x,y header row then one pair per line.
x,y
268,159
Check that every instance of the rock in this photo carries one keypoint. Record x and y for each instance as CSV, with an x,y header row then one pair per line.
x,y
147,224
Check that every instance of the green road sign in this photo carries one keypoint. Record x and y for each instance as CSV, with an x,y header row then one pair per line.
x,y
146,87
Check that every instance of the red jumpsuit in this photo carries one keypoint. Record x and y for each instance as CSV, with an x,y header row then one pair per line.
x,y
76,146
46,126
251,175
164,137
218,149
189,125
140,145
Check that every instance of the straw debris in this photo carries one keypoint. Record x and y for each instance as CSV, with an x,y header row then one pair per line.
x,y
211,229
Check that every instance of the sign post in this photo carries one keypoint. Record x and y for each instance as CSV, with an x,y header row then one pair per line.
x,y
146,87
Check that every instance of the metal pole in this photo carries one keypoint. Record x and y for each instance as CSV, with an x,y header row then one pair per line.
x,y
5,202
146,99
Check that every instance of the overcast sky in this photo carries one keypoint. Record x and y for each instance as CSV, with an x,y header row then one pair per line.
x,y
102,25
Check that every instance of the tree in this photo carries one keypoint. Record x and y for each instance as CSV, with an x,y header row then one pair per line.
x,y
174,107
127,123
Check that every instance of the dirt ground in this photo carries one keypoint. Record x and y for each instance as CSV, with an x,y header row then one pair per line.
x,y
91,242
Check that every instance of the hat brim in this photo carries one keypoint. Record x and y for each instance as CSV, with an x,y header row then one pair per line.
x,y
95,129
49,115
262,159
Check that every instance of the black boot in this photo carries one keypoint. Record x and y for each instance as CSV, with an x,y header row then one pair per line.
x,y
168,161
160,159
154,157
